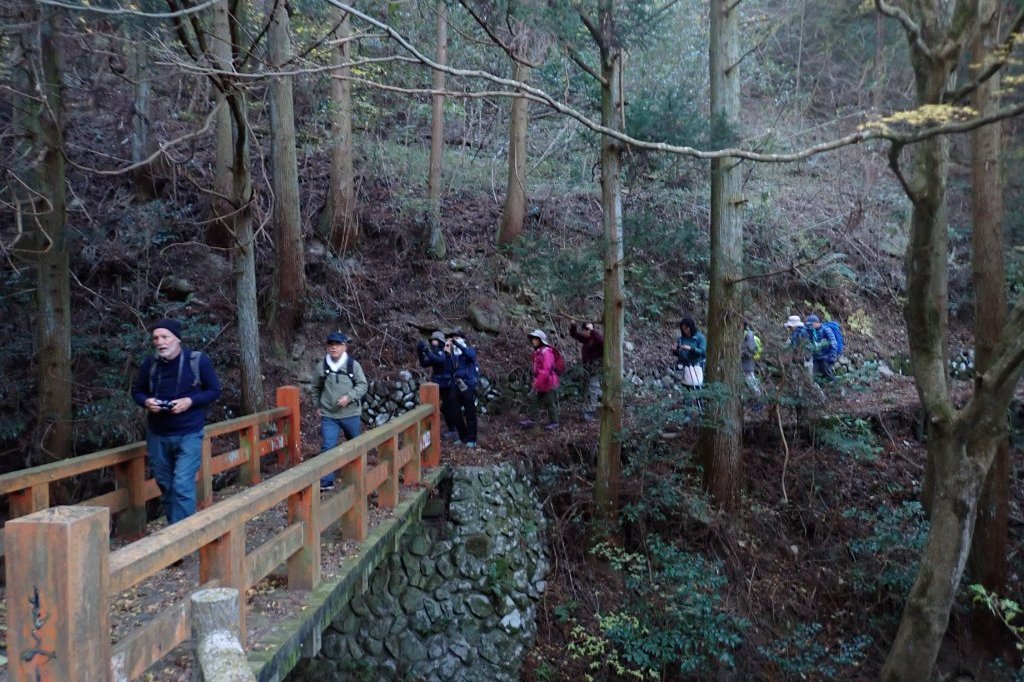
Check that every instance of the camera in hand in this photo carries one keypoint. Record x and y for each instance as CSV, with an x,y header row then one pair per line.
x,y
165,405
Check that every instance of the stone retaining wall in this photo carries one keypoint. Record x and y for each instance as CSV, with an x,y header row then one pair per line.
x,y
458,602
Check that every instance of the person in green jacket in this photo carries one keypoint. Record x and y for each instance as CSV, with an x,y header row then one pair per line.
x,y
339,385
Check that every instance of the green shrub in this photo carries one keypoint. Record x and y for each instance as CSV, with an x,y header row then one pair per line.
x,y
802,655
675,618
885,562
849,436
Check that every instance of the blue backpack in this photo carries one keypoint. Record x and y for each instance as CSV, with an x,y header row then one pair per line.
x,y
838,331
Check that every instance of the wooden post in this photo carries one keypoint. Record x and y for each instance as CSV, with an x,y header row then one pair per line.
x,y
224,560
289,396
28,500
430,394
58,615
249,441
387,453
304,565
204,489
353,522
131,475
413,469
216,633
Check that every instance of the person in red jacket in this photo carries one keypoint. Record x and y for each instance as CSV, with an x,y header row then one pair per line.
x,y
591,356
545,381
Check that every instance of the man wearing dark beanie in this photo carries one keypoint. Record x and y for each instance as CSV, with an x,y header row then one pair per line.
x,y
176,387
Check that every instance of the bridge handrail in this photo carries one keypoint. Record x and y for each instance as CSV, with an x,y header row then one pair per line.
x,y
28,489
61,564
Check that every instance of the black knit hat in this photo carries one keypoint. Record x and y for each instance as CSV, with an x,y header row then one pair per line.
x,y
173,326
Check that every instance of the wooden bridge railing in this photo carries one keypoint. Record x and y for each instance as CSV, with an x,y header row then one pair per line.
x,y
61,573
28,490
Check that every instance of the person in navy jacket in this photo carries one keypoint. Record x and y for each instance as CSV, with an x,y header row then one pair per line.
x,y
176,386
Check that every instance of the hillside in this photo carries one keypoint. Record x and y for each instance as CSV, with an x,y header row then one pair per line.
x,y
808,578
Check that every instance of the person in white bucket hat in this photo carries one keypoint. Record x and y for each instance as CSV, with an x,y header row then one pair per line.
x,y
545,380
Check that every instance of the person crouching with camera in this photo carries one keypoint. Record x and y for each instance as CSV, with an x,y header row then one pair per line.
x,y
176,386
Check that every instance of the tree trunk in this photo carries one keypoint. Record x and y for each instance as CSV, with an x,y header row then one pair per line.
x,y
515,190
988,553
219,231
436,247
286,301
235,167
926,613
41,214
720,442
606,485
338,223
142,144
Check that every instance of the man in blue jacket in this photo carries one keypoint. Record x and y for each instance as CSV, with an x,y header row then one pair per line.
x,y
176,386
824,348
464,380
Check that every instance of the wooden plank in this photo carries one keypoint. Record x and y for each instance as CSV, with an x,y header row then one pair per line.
x,y
204,487
115,500
150,642
273,444
228,460
250,445
354,521
57,595
55,471
304,566
388,495
334,507
262,561
430,395
30,499
224,560
241,423
131,477
376,476
290,398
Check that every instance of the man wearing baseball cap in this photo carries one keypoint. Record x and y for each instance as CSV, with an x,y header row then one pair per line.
x,y
339,385
176,386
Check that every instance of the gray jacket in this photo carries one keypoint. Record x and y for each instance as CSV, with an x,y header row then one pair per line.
x,y
329,387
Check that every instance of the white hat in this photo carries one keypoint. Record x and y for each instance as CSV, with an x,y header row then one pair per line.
x,y
540,336
794,321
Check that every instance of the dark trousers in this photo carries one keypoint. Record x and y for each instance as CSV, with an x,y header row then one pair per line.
x,y
823,367
460,412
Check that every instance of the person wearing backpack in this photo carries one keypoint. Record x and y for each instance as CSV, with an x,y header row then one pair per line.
x,y
339,385
691,351
176,386
464,379
824,347
591,357
546,361
750,353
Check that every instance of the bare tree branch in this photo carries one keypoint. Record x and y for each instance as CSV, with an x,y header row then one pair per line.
x,y
909,25
1003,52
865,133
130,12
162,149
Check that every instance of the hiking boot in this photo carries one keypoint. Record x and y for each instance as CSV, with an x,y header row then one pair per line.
x,y
450,435
471,444
527,423
553,426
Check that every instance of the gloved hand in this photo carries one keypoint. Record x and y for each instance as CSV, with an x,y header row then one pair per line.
x,y
572,327
421,346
